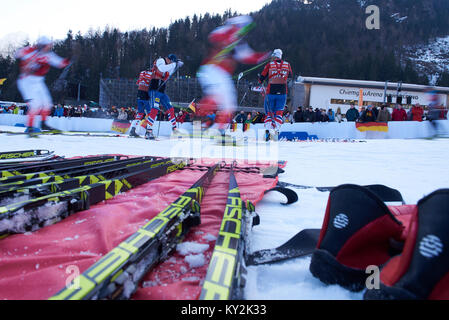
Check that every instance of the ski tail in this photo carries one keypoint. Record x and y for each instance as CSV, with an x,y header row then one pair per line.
x,y
30,215
54,183
302,244
19,169
67,172
33,159
24,154
225,278
118,273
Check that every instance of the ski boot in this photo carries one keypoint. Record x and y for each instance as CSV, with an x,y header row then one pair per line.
x,y
45,127
32,132
133,134
149,134
421,271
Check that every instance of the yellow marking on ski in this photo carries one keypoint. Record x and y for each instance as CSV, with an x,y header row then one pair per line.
x,y
107,184
6,174
81,179
212,290
126,183
116,276
118,186
129,246
106,266
179,228
224,271
93,179
73,293
218,283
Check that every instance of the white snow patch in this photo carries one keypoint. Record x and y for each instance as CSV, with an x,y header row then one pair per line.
x,y
149,284
209,237
186,248
183,270
71,239
172,260
195,260
291,281
87,253
21,220
191,279
15,199
431,59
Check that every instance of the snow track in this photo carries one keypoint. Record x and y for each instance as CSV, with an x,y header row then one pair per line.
x,y
414,167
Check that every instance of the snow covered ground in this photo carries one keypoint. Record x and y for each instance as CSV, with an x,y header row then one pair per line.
x,y
414,167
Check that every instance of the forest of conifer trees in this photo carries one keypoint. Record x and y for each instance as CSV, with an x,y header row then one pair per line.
x,y
324,39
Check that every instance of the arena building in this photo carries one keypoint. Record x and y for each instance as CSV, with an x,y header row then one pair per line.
x,y
334,93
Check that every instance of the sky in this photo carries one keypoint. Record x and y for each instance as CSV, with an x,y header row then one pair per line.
x,y
28,19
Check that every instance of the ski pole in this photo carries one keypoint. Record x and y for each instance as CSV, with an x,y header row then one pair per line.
x,y
162,84
242,74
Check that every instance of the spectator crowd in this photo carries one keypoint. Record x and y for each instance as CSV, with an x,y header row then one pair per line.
x,y
301,114
366,114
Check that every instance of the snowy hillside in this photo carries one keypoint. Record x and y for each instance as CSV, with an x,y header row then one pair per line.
x,y
414,167
431,59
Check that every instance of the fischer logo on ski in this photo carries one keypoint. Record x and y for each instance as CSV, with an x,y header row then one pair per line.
x,y
117,274
31,214
225,277
24,154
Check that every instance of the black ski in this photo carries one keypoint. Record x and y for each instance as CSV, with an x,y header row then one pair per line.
x,y
118,273
225,278
67,172
40,187
11,162
226,275
55,164
35,213
268,172
302,244
24,154
387,194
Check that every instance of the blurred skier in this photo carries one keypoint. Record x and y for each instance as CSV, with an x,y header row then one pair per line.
x,y
162,70
215,73
35,62
143,103
277,72
435,110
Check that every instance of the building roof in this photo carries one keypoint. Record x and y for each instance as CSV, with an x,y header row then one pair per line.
x,y
369,84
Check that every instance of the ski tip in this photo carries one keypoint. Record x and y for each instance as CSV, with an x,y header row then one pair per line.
x,y
291,195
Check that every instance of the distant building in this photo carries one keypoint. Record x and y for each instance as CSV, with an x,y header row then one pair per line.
x,y
333,93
